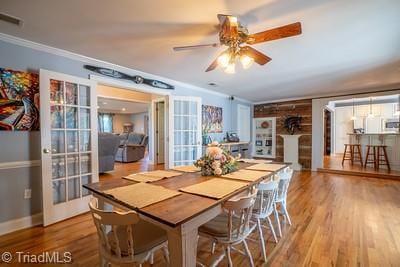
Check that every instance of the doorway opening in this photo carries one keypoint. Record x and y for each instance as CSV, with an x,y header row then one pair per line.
x,y
160,130
124,119
362,137
327,132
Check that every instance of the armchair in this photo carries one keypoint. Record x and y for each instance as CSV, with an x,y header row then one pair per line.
x,y
132,147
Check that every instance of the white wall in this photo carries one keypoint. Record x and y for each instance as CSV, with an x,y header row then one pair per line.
x,y
343,126
138,122
119,120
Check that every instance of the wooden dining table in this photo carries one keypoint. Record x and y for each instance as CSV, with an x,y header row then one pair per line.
x,y
181,215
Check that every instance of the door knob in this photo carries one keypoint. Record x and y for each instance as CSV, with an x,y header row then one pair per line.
x,y
46,151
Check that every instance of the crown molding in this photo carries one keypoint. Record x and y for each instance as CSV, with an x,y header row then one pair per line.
x,y
384,89
89,60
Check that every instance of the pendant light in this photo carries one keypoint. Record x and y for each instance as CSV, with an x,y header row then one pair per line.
x,y
353,118
370,114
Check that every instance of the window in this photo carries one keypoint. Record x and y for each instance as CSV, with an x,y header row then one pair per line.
x,y
105,122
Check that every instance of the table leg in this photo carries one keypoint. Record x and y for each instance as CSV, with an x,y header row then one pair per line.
x,y
182,247
182,240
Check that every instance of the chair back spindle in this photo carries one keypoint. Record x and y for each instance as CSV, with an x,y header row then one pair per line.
x,y
121,224
284,181
239,212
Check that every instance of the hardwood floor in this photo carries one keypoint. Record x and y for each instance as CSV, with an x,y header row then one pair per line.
x,y
333,164
337,220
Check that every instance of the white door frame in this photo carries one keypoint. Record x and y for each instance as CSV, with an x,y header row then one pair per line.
x,y
74,207
138,88
318,106
152,144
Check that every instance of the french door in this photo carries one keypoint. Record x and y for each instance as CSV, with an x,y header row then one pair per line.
x,y
184,130
68,117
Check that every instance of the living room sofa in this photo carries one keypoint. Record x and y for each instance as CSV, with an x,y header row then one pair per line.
x,y
108,145
132,147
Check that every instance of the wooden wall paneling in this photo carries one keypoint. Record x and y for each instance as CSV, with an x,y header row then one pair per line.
x,y
290,108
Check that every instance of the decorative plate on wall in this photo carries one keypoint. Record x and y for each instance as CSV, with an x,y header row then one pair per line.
x,y
265,124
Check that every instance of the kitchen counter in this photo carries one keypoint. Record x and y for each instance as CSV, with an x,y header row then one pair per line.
x,y
234,148
391,140
232,143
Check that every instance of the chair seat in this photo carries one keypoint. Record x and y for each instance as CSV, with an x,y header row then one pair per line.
x,y
218,226
146,237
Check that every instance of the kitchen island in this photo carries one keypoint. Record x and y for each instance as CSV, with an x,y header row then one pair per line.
x,y
391,140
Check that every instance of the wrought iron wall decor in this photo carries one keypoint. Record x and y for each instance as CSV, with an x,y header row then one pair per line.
x,y
135,78
292,123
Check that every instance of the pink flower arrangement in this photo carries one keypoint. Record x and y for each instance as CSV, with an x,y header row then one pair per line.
x,y
217,161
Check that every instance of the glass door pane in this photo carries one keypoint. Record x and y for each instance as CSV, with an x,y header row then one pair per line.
x,y
186,131
68,136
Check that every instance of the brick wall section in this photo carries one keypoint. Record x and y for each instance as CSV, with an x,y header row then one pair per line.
x,y
280,111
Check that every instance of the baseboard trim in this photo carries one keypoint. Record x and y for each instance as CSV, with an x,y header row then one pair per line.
x,y
360,173
19,164
20,223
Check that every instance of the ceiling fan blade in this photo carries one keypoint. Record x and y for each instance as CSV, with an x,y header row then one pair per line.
x,y
274,34
190,47
222,17
214,64
229,27
258,57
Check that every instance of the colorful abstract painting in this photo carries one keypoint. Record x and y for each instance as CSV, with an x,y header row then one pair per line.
x,y
19,100
212,119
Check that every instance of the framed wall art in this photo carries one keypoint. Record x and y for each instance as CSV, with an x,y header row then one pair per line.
x,y
19,100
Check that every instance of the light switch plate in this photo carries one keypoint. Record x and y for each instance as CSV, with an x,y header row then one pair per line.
x,y
28,193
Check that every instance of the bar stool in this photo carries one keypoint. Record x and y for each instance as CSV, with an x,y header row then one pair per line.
x,y
352,152
371,151
382,157
347,153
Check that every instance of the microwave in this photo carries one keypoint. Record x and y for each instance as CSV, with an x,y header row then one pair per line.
x,y
391,124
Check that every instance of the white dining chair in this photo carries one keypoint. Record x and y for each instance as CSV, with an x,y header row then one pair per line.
x,y
281,199
264,207
232,227
126,239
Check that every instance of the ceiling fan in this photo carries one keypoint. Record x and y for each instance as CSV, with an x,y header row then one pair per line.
x,y
237,38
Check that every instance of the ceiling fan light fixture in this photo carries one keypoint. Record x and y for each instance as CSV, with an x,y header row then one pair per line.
x,y
230,69
246,61
233,20
223,60
370,114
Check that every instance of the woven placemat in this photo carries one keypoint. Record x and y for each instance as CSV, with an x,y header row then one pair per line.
x,y
141,194
254,160
246,175
161,173
266,167
186,168
142,178
215,188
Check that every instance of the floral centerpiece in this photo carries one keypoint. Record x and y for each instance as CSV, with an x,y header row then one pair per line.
x,y
216,161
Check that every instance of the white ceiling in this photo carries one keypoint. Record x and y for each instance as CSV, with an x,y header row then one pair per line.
x,y
119,106
345,45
